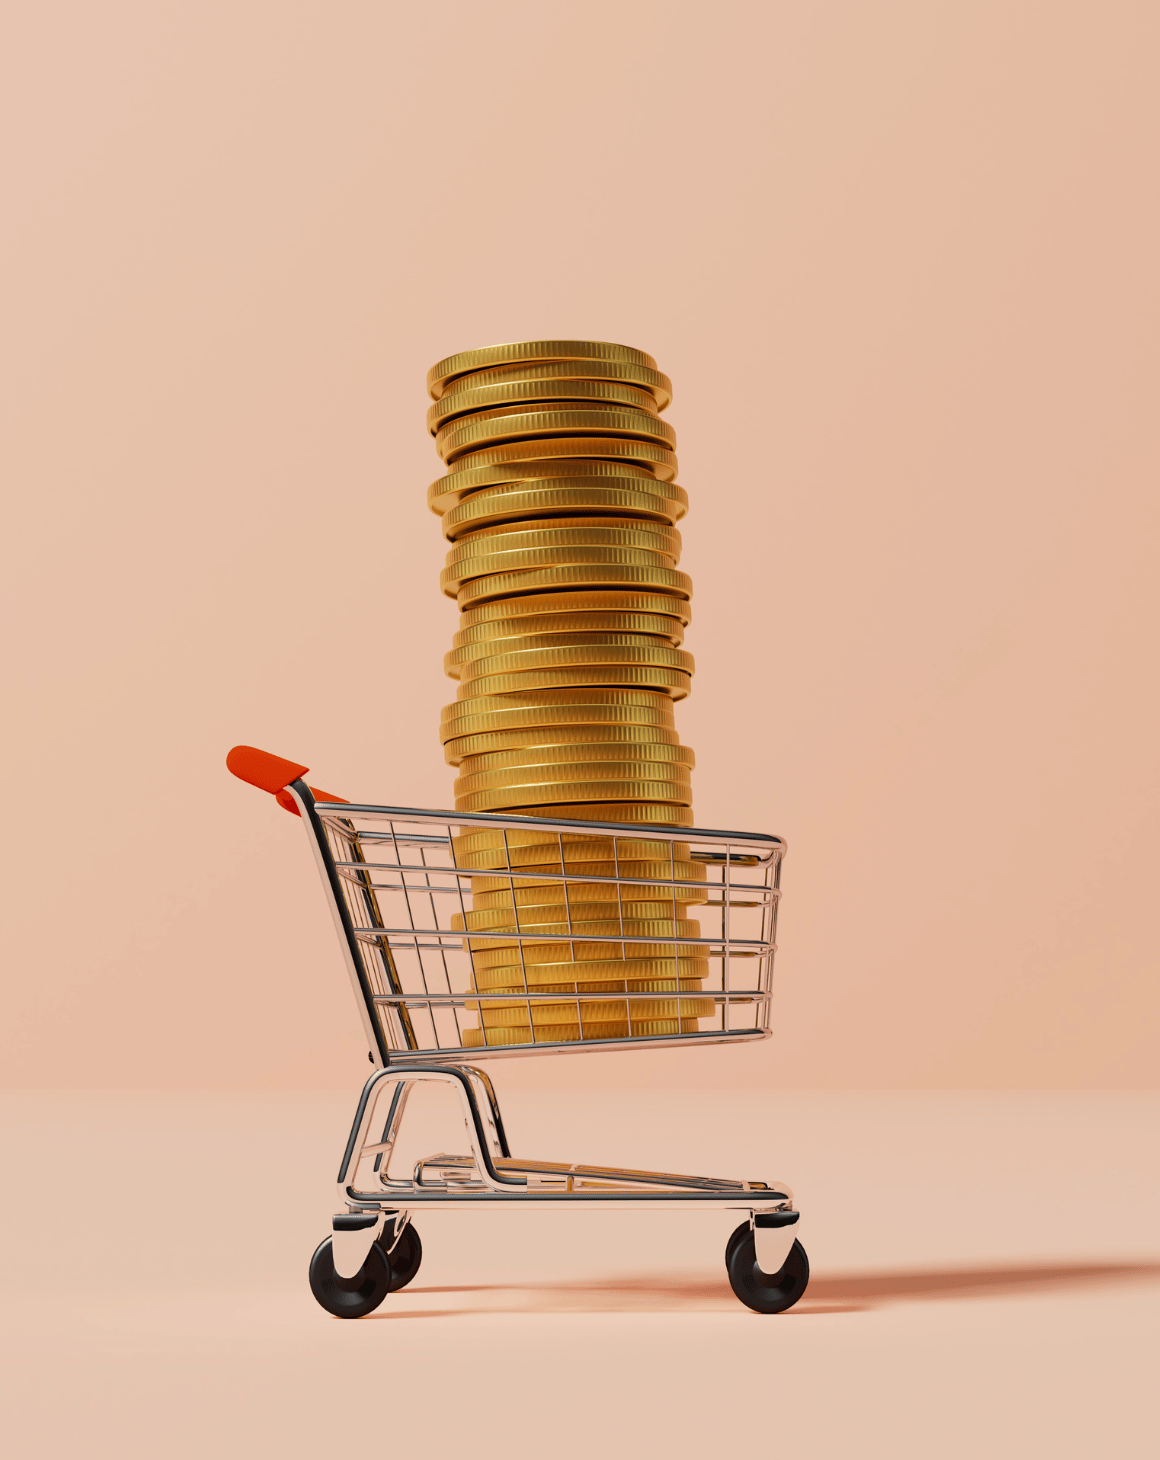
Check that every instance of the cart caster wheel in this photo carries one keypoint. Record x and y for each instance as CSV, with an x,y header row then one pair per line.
x,y
405,1259
765,1292
350,1297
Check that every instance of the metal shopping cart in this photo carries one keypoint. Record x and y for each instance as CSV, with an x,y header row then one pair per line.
x,y
400,885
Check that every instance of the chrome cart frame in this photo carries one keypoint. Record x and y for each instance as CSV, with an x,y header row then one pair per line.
x,y
398,886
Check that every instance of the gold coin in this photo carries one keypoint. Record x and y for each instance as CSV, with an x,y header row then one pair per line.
x,y
560,895
502,1014
568,532
543,777
567,655
590,960
475,398
481,703
568,772
610,931
491,357
496,506
455,659
606,977
467,434
604,561
582,857
570,1033
544,631
630,811
575,576
536,874
539,928
674,682
529,884
464,746
599,648
555,625
516,798
524,718
659,459
561,978
606,974
561,710
583,915
457,487
529,843
659,386
548,755
608,601
655,892
477,703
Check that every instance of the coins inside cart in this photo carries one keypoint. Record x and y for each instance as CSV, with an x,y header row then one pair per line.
x,y
495,506
581,576
658,459
584,601
592,526
490,357
624,371
549,393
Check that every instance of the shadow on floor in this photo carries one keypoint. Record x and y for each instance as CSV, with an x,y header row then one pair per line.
x,y
836,1293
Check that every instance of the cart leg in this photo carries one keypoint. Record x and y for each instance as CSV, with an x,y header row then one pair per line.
x,y
489,1109
359,1144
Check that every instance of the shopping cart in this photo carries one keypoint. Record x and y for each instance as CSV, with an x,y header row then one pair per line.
x,y
400,885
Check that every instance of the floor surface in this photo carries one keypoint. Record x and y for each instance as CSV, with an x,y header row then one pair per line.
x,y
986,1278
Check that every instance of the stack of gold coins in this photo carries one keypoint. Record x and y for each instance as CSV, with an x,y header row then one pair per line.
x,y
561,508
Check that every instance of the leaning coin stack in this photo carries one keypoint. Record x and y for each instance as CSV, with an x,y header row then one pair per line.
x,y
561,508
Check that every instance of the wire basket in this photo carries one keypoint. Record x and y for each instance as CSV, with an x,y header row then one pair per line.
x,y
505,935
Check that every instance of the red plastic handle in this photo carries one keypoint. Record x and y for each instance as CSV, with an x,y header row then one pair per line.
x,y
272,773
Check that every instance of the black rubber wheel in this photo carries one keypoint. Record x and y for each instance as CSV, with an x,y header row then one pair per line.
x,y
738,1235
350,1297
406,1257
765,1292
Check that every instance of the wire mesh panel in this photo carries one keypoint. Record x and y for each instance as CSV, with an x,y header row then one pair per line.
x,y
514,935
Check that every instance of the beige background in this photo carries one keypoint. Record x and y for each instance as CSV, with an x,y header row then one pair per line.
x,y
899,260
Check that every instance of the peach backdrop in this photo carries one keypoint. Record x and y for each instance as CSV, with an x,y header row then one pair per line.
x,y
900,262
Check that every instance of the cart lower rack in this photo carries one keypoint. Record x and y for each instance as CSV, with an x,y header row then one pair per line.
x,y
478,937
